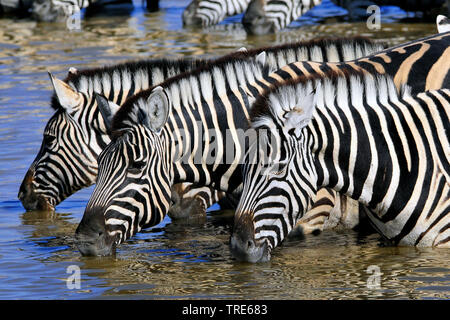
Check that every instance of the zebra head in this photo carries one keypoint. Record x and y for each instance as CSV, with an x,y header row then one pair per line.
x,y
67,159
255,20
127,197
278,173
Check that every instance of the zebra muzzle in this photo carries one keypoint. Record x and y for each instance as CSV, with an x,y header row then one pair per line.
x,y
92,237
29,198
243,245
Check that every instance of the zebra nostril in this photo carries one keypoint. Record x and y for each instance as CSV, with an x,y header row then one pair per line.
x,y
250,244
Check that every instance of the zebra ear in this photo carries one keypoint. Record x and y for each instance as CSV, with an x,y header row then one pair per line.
x,y
67,97
261,58
443,23
107,109
243,49
73,70
158,109
299,117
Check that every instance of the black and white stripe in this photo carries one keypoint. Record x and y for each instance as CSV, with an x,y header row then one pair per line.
x,y
210,12
265,16
355,134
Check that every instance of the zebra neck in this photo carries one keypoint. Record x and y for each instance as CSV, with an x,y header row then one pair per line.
x,y
206,142
365,153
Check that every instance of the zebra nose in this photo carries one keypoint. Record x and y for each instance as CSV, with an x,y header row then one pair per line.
x,y
191,20
91,236
243,245
28,196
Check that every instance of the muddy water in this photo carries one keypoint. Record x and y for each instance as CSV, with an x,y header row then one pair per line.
x,y
173,260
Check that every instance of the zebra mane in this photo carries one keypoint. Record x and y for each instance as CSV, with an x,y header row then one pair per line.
x,y
205,83
332,87
314,50
96,79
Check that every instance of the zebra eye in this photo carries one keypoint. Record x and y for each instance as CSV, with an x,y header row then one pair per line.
x,y
136,167
279,168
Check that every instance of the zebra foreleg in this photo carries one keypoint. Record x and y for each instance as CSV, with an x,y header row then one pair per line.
x,y
330,211
190,203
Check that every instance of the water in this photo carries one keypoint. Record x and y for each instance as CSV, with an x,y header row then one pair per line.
x,y
173,260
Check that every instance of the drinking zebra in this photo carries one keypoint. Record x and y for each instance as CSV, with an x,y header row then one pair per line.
x,y
75,135
60,10
357,134
266,16
139,166
209,12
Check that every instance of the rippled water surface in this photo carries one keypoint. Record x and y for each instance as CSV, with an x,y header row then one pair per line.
x,y
173,260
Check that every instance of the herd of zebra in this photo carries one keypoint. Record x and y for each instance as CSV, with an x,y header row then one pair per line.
x,y
299,137
260,16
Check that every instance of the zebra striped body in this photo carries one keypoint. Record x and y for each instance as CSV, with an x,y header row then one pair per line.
x,y
422,64
355,134
209,12
268,16
265,16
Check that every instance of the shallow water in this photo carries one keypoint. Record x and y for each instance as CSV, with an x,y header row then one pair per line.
x,y
173,260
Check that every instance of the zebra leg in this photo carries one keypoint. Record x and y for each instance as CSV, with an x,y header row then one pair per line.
x,y
152,5
45,10
314,220
330,211
189,202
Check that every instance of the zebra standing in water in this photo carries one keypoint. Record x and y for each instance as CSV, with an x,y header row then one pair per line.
x,y
209,12
138,167
266,16
75,135
356,134
60,10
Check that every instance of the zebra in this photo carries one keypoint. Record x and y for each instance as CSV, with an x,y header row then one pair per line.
x,y
268,16
60,10
353,132
138,167
209,12
75,135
